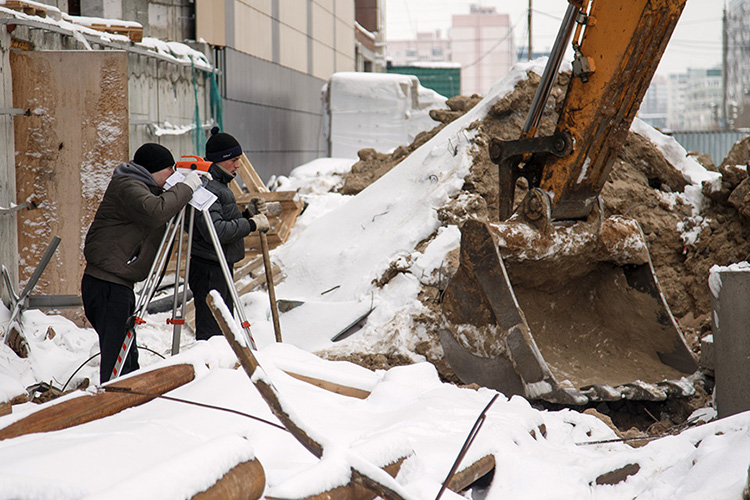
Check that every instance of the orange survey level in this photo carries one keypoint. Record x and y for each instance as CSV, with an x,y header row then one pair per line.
x,y
197,163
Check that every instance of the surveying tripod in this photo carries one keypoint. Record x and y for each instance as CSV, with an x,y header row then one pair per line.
x,y
177,226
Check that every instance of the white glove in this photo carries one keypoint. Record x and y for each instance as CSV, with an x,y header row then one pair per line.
x,y
193,179
203,173
260,206
261,223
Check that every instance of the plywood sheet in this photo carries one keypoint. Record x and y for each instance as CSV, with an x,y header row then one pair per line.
x,y
65,152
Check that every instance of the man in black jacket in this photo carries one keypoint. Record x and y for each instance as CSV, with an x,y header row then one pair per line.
x,y
231,227
122,242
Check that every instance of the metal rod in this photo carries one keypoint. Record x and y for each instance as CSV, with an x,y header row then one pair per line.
x,y
41,266
147,292
228,277
177,325
550,72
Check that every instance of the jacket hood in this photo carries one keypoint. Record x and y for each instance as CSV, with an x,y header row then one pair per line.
x,y
135,171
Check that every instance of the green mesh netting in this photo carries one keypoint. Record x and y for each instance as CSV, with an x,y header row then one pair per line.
x,y
216,103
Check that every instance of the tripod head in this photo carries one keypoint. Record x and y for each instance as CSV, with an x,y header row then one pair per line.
x,y
197,163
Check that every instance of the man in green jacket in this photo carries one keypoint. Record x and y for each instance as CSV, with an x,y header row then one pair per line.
x,y
122,242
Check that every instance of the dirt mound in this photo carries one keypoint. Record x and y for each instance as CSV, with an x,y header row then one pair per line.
x,y
642,185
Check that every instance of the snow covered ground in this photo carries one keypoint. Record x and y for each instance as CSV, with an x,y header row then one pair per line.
x,y
165,449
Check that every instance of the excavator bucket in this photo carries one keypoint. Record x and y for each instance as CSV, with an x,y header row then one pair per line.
x,y
568,312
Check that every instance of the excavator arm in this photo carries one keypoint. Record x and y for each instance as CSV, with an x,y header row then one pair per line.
x,y
555,301
622,44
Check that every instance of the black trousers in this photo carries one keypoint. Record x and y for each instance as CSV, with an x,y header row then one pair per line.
x,y
206,275
107,307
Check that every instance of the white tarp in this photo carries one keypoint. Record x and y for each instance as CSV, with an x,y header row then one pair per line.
x,y
376,110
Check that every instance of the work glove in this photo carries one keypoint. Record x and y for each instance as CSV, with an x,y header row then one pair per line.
x,y
193,179
261,223
207,176
260,206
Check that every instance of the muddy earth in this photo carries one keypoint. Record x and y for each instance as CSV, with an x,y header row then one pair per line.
x,y
642,185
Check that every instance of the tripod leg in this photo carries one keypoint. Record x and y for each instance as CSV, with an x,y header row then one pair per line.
x,y
178,321
227,276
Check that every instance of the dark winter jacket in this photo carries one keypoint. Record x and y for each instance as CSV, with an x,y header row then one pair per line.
x,y
129,224
231,226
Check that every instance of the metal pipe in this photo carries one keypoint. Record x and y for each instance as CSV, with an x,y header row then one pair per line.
x,y
550,72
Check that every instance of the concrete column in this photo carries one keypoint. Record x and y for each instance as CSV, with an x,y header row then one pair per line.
x,y
8,223
730,320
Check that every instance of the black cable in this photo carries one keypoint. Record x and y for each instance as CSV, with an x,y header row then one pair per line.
x,y
97,354
129,390
77,370
469,440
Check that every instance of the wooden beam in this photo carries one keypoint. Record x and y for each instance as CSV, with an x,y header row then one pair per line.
x,y
245,481
77,411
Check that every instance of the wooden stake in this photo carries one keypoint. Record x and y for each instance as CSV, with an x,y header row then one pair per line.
x,y
271,289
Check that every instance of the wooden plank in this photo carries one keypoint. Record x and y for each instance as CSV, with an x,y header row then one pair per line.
x,y
467,476
5,408
135,33
87,408
245,481
344,390
260,280
33,9
280,196
252,267
354,491
250,177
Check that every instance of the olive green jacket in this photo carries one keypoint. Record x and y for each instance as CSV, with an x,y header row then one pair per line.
x,y
128,227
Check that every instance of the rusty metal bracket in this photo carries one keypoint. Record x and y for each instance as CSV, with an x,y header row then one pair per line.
x,y
15,111
29,204
508,155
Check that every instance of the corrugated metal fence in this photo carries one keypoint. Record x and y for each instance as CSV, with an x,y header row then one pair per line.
x,y
715,143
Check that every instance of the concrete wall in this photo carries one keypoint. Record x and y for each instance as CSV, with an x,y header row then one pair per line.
x,y
274,57
277,117
162,97
173,20
730,289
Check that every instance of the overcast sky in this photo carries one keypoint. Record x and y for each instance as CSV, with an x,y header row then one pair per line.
x,y
696,42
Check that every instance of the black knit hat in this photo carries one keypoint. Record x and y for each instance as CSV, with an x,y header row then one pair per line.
x,y
221,146
153,157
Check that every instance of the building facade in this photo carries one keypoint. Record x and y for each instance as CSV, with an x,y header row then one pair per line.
x,y
426,48
272,58
482,42
655,105
695,100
